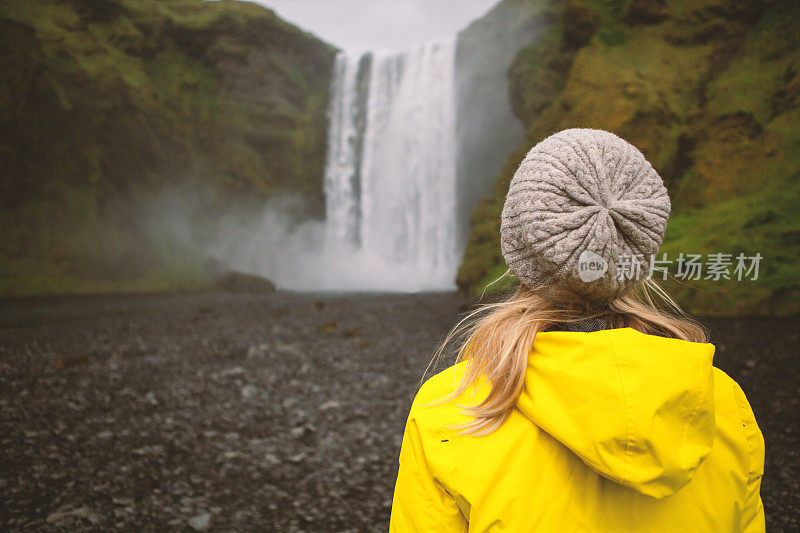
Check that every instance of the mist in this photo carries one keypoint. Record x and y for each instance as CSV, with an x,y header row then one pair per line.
x,y
281,241
304,255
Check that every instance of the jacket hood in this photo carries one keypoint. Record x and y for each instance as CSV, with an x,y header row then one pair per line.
x,y
636,408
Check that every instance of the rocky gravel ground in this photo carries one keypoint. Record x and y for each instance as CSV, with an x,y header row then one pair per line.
x,y
279,412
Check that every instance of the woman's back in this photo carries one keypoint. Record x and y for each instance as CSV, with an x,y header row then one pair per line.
x,y
615,430
624,426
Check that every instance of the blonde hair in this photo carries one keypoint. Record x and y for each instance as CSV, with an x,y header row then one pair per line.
x,y
498,338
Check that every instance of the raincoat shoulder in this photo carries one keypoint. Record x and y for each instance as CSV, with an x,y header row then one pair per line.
x,y
614,432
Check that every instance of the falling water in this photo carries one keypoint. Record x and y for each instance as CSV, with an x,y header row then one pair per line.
x,y
390,176
390,186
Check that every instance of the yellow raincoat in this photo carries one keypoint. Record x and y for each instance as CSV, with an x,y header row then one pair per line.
x,y
615,431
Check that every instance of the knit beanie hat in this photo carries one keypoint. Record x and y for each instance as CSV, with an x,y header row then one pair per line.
x,y
585,210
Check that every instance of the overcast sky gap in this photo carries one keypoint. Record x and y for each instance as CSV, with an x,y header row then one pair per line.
x,y
380,24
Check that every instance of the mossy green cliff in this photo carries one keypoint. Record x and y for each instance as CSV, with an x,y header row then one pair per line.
x,y
710,92
105,105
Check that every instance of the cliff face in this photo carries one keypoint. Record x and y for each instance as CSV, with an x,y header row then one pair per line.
x,y
486,126
105,104
710,92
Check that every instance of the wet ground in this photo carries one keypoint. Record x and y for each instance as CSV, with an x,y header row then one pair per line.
x,y
279,412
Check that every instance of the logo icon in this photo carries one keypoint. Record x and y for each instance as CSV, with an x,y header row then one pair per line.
x,y
591,266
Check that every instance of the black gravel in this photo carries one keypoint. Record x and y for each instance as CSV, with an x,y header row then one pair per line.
x,y
280,412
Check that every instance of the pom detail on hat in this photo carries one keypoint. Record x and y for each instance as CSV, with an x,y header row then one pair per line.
x,y
583,204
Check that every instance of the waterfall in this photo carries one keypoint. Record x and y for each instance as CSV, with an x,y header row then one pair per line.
x,y
390,186
390,177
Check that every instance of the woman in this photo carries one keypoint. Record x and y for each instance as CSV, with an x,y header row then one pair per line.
x,y
579,404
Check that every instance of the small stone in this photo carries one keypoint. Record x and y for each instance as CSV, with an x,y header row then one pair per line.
x,y
81,512
149,450
297,458
233,371
328,327
257,351
332,404
288,349
200,521
70,361
289,402
150,398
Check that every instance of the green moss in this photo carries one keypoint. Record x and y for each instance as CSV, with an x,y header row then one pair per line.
x,y
187,88
759,73
538,74
763,223
613,30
